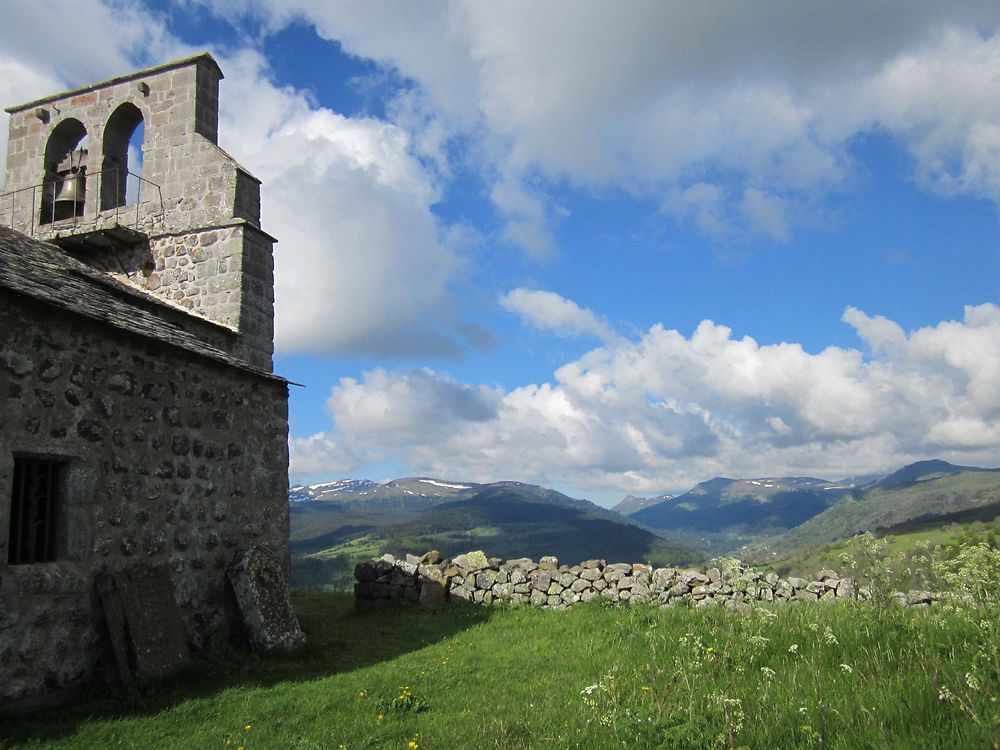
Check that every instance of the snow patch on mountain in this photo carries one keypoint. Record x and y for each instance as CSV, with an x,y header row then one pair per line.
x,y
448,486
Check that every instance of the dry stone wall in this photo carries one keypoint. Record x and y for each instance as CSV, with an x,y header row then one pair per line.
x,y
476,578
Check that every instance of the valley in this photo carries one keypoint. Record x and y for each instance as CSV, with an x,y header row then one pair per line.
x,y
791,524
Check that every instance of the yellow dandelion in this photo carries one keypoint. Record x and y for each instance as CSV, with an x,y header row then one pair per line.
x,y
710,650
247,727
411,745
646,688
379,717
361,693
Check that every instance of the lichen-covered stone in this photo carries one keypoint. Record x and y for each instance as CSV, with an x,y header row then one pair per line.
x,y
261,591
476,560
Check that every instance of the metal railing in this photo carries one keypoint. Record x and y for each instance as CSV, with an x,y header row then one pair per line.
x,y
38,210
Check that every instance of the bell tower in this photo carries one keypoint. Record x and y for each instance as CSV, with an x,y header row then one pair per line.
x,y
127,175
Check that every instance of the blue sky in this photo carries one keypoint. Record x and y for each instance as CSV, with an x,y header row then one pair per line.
x,y
608,252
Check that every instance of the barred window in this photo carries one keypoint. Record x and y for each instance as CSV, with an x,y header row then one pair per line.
x,y
34,511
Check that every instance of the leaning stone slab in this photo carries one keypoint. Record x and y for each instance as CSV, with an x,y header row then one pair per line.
x,y
262,595
147,634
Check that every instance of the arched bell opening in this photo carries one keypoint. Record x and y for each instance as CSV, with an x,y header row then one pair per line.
x,y
64,185
123,141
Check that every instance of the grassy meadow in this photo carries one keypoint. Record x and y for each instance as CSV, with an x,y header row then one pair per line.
x,y
902,544
845,675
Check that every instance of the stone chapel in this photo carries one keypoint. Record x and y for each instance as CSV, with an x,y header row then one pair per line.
x,y
143,434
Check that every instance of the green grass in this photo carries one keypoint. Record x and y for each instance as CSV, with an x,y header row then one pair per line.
x,y
832,676
881,509
950,537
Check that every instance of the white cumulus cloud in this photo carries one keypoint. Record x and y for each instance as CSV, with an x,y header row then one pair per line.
x,y
362,265
667,410
550,311
760,100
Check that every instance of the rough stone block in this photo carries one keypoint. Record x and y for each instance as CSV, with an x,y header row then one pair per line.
x,y
432,594
541,580
548,563
262,595
475,560
147,636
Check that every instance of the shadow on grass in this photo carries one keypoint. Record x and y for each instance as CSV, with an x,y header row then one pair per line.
x,y
341,637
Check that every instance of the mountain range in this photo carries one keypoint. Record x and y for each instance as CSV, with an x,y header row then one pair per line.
x,y
725,514
630,503
785,514
335,522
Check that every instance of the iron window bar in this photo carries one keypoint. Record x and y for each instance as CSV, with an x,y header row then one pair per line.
x,y
34,511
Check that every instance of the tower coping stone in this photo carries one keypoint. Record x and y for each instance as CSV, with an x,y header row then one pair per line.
x,y
184,62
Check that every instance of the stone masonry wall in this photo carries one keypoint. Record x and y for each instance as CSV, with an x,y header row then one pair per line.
x,y
170,458
224,273
473,577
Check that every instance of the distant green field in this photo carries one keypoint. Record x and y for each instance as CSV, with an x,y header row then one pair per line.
x,y
332,569
949,537
972,495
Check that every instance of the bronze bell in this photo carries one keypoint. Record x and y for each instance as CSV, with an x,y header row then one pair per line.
x,y
73,186
70,187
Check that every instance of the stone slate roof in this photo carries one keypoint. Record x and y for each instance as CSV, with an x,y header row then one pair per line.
x,y
48,275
